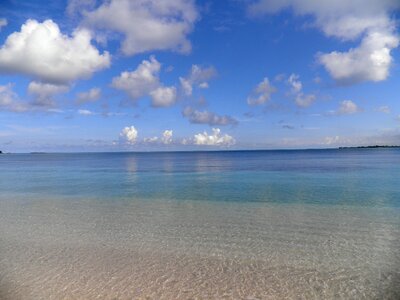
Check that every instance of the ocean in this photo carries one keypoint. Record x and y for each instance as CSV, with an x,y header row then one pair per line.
x,y
287,224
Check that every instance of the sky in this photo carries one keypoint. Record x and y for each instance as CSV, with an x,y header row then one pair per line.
x,y
163,75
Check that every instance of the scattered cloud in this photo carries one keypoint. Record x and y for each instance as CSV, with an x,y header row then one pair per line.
x,y
369,20
85,112
75,7
41,51
206,117
141,81
384,109
348,107
213,139
91,95
9,100
163,96
295,83
147,25
167,137
129,135
199,77
144,81
3,23
331,140
301,99
262,93
150,140
371,61
43,93
305,100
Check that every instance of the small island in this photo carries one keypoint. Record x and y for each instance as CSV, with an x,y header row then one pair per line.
x,y
370,147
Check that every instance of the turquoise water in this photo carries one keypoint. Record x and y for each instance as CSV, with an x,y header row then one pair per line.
x,y
312,224
364,177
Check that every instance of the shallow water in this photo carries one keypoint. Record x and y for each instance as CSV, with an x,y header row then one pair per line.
x,y
235,225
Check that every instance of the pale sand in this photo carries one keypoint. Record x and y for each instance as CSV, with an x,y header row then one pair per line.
x,y
59,250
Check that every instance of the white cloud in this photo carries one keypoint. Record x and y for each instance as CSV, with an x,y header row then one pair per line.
x,y
144,81
301,99
332,140
167,137
262,93
370,61
295,83
141,81
150,140
75,7
85,112
207,117
186,86
44,92
304,100
348,20
146,24
129,135
9,100
214,139
384,109
204,85
92,95
348,107
163,96
198,76
3,22
40,50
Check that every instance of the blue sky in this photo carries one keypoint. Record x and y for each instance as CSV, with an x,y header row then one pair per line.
x,y
144,75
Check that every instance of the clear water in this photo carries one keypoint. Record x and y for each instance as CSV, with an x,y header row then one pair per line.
x,y
313,224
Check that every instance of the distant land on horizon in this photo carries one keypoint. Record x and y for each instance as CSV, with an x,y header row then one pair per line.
x,y
338,148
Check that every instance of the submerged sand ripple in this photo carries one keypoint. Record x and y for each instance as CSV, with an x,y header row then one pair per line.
x,y
196,250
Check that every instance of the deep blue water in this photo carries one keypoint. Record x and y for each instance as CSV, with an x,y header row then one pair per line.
x,y
367,177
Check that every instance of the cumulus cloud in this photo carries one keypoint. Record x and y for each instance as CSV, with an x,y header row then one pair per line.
x,y
129,135
41,51
167,137
3,22
199,77
141,81
213,139
42,102
370,61
146,24
206,117
163,96
91,95
348,20
144,81
348,107
9,100
44,92
295,83
262,93
304,100
301,99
